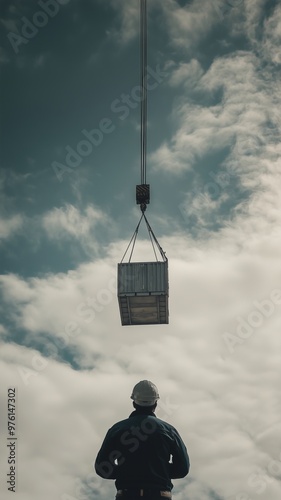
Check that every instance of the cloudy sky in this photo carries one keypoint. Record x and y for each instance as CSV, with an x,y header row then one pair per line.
x,y
70,71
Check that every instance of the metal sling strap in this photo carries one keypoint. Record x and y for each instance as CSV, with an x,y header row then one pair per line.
x,y
153,240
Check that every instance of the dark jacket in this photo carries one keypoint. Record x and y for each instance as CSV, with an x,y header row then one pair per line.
x,y
142,452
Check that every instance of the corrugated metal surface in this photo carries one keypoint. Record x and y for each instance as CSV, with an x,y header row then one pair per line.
x,y
143,291
143,277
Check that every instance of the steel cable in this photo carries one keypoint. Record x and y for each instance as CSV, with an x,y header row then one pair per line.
x,y
143,71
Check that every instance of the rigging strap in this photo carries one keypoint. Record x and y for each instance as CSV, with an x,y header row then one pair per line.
x,y
152,235
153,240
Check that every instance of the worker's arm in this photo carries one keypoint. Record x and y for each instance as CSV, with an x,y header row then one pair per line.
x,y
107,458
180,460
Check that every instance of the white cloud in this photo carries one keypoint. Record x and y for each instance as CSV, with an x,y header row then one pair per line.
x,y
128,16
203,129
272,37
3,332
10,225
249,94
186,26
189,26
56,424
218,410
222,393
69,222
201,206
244,121
187,74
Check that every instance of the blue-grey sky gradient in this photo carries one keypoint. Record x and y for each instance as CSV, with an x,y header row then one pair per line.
x,y
69,163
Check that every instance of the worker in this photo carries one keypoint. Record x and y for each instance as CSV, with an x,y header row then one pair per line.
x,y
143,453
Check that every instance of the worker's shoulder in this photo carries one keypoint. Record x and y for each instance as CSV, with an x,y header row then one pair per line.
x,y
132,420
120,424
143,421
165,425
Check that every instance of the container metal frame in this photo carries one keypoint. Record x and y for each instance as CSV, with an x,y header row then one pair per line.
x,y
143,291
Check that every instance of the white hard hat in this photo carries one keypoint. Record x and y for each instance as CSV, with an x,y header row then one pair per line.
x,y
145,393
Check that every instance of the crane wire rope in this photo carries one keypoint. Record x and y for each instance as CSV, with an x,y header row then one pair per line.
x,y
143,82
143,72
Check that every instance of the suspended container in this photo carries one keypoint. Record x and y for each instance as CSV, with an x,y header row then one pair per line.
x,y
143,288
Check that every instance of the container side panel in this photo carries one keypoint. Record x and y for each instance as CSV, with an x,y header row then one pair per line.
x,y
143,291
143,277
